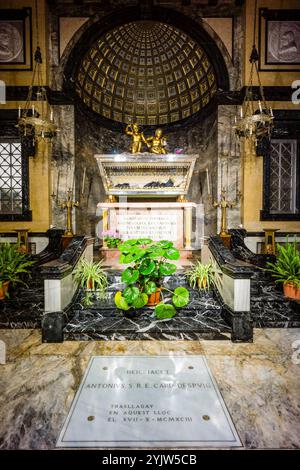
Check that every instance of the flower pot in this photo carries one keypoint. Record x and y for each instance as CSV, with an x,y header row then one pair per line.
x,y
4,289
154,299
291,291
202,283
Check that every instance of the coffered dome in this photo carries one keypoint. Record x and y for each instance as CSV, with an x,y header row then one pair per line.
x,y
146,71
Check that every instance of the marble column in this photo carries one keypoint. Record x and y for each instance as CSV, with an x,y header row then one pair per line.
x,y
188,214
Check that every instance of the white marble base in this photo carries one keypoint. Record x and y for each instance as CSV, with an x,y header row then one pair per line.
x,y
235,292
136,401
59,292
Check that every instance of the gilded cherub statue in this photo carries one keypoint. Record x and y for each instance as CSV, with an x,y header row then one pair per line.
x,y
138,137
157,143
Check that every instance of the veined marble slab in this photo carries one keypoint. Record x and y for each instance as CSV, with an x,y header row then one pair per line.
x,y
143,401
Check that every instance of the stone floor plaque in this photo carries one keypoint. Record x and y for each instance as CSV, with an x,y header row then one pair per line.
x,y
148,401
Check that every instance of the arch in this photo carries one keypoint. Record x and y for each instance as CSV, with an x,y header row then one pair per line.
x,y
96,27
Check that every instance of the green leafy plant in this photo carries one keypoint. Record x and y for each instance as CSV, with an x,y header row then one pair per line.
x,y
111,238
200,276
13,264
91,277
286,269
149,265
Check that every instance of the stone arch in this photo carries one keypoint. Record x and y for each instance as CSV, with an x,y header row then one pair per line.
x,y
98,25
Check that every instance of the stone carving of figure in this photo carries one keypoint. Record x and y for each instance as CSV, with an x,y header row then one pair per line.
x,y
10,43
137,138
157,143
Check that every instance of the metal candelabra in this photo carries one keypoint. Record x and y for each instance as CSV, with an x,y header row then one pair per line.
x,y
69,204
224,204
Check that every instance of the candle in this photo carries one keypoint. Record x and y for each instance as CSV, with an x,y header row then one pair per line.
x,y
33,110
260,107
271,112
207,179
19,112
83,180
73,183
57,182
51,115
235,120
221,167
241,111
227,175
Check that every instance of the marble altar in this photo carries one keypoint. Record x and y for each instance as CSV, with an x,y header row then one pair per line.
x,y
146,174
157,220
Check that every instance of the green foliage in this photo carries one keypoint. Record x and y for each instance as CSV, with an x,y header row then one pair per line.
x,y
163,311
200,276
91,277
130,275
181,297
286,269
13,264
149,265
112,242
131,293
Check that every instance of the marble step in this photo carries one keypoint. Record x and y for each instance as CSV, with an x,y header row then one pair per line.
x,y
202,318
89,325
270,309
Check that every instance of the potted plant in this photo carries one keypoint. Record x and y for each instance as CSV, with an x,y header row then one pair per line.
x,y
92,278
200,275
286,269
111,238
13,265
144,278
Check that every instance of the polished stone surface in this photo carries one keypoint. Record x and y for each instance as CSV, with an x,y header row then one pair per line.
x,y
259,382
25,306
148,401
270,308
201,318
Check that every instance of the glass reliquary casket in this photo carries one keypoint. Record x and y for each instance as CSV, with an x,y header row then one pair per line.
x,y
145,174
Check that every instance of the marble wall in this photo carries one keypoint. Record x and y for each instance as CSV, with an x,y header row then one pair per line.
x,y
80,138
63,162
90,139
229,165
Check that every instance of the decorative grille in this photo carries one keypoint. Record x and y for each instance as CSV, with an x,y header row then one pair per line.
x,y
283,176
10,178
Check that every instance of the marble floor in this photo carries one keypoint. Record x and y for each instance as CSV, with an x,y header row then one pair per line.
x,y
260,383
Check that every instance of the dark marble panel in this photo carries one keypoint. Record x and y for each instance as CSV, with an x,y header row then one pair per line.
x,y
25,306
240,250
53,249
62,266
270,309
228,263
202,317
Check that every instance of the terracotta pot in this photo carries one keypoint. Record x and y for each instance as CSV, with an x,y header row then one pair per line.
x,y
154,299
202,284
3,290
291,291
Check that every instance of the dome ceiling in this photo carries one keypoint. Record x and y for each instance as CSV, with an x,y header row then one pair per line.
x,y
146,71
